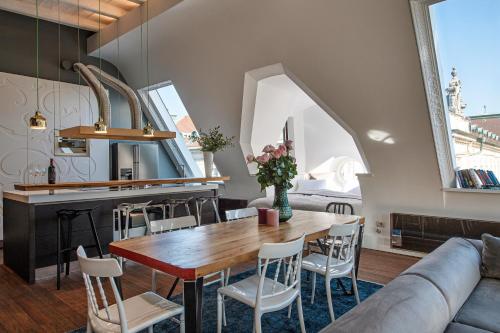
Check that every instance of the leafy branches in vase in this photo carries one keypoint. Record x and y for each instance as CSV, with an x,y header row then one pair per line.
x,y
212,141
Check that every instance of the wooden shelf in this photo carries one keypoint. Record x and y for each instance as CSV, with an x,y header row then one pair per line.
x,y
117,183
87,132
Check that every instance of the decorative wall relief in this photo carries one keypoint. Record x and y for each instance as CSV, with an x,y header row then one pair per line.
x,y
21,149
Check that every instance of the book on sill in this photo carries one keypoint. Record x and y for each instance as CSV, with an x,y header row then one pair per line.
x,y
476,178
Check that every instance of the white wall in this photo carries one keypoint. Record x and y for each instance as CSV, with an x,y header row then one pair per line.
x,y
358,56
22,149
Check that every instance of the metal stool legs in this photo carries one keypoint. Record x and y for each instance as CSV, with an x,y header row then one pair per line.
x,y
64,239
199,208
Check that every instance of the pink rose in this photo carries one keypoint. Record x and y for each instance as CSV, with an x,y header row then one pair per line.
x,y
263,159
289,144
281,151
268,149
250,158
277,153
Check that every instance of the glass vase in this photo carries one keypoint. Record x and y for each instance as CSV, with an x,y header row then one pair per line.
x,y
281,203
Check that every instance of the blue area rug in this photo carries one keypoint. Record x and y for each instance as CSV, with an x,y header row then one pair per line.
x,y
240,316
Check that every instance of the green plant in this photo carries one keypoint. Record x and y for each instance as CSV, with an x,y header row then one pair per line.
x,y
276,166
213,141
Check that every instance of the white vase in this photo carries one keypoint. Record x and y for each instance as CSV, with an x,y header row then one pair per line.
x,y
208,158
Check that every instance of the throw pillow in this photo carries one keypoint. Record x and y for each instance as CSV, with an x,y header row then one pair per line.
x,y
490,266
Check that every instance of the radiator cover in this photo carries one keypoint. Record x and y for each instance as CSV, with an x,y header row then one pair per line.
x,y
425,233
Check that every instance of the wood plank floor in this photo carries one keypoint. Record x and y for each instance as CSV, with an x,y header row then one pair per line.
x,y
42,308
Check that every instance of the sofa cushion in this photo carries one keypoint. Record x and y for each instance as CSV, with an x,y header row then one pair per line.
x,y
482,309
490,267
454,268
461,328
407,304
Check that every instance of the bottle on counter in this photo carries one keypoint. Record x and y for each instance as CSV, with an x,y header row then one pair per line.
x,y
52,172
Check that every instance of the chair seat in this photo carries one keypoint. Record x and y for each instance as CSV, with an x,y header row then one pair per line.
x,y
245,291
142,311
316,262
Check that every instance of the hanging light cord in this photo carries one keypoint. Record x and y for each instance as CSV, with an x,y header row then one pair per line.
x,y
147,54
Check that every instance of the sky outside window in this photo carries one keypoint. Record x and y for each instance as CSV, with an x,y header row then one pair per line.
x,y
467,36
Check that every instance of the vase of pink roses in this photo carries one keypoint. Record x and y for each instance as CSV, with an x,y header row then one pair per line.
x,y
277,167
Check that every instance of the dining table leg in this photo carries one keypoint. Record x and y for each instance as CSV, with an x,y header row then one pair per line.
x,y
193,304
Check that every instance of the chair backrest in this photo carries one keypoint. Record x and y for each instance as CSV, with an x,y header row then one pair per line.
x,y
290,254
339,208
176,223
97,269
344,238
242,213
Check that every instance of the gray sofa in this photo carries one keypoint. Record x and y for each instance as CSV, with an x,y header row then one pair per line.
x,y
443,292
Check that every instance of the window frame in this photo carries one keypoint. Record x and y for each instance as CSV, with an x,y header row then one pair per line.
x,y
437,111
176,149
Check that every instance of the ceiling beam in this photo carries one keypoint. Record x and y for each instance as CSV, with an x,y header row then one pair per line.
x,y
105,9
128,22
139,2
45,13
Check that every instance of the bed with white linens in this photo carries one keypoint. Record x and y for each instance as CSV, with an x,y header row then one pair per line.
x,y
312,196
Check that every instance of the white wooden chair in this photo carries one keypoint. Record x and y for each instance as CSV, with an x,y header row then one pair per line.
x,y
173,224
237,214
178,223
339,262
265,294
168,225
131,315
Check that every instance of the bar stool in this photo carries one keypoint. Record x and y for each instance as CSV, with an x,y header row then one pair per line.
x,y
127,209
172,203
64,239
214,199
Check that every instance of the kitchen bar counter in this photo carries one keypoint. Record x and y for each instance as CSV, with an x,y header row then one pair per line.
x,y
30,218
44,196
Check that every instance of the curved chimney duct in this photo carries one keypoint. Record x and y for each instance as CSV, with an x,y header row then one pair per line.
x,y
98,89
125,91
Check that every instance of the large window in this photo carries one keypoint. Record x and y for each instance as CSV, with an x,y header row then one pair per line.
x,y
169,108
460,48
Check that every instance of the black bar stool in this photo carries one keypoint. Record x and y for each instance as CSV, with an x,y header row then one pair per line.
x,y
64,239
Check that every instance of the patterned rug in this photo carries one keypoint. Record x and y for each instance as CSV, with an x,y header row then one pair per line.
x,y
240,316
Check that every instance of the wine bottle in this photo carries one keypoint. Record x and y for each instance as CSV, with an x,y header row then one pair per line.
x,y
52,172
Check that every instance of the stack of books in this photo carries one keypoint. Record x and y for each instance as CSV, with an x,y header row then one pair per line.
x,y
477,178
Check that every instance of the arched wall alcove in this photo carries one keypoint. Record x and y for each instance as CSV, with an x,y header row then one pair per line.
x,y
324,145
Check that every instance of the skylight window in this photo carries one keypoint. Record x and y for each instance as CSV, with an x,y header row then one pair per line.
x,y
459,52
467,49
169,107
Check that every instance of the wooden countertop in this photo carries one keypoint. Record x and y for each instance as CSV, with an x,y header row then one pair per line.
x,y
117,183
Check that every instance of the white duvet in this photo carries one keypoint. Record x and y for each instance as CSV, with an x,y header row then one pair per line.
x,y
314,200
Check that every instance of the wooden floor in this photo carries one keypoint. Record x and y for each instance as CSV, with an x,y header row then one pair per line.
x,y
42,308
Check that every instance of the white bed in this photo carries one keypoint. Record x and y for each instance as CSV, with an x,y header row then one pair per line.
x,y
313,200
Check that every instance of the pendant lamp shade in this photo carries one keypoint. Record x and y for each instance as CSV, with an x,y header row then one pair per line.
x,y
38,121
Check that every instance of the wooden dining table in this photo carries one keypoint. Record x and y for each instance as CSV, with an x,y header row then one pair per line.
x,y
191,254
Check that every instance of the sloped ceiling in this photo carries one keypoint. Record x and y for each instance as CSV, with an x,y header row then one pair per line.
x,y
358,56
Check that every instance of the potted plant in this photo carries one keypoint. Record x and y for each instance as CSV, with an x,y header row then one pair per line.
x,y
210,143
277,167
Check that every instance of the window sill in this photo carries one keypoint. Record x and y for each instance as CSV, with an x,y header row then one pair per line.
x,y
471,190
